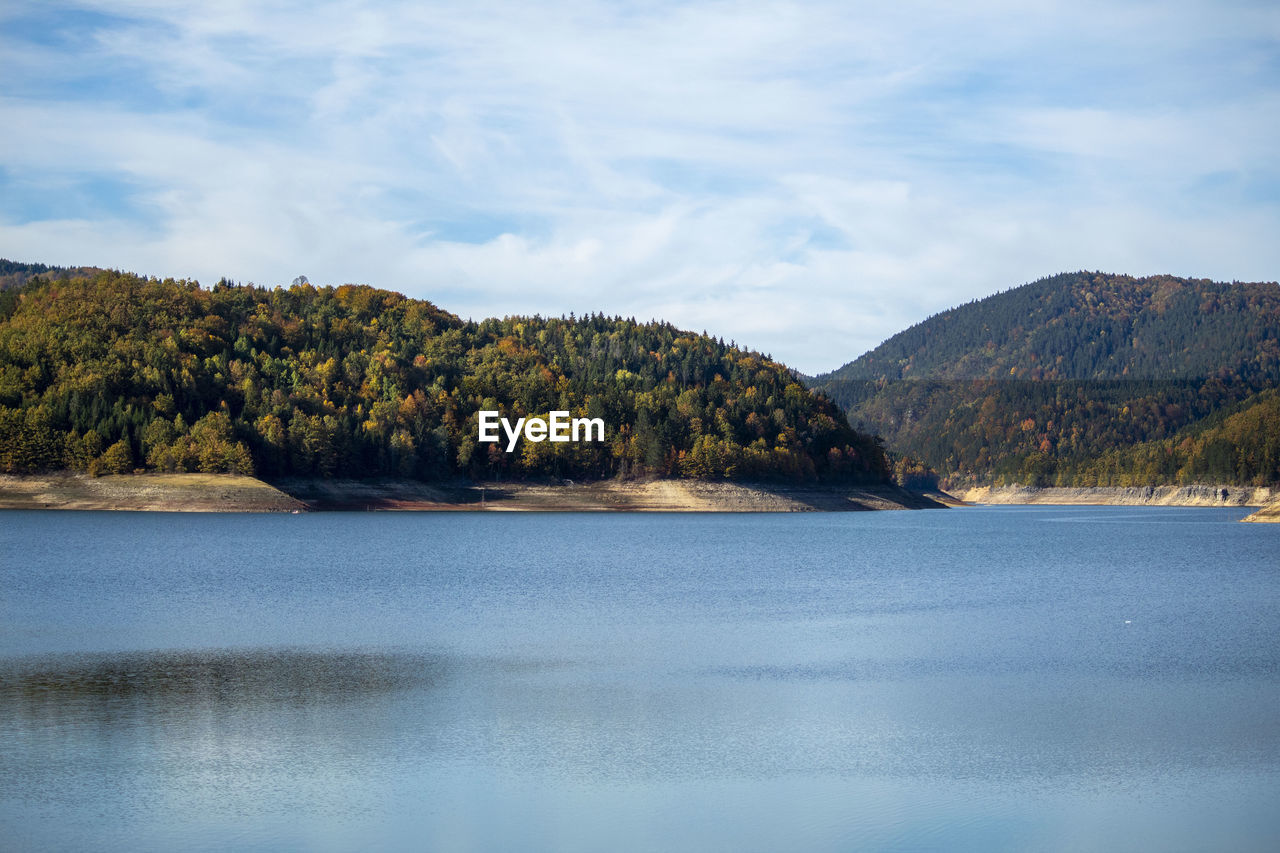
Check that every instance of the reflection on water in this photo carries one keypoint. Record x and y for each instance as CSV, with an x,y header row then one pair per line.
x,y
191,681
207,749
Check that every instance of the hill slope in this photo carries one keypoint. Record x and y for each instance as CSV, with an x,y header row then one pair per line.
x,y
114,372
1089,325
1081,379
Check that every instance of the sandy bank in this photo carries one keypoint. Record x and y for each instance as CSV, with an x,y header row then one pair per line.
x,y
160,492
226,493
567,496
1121,496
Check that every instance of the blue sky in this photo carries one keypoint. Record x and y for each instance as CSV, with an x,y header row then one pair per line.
x,y
803,178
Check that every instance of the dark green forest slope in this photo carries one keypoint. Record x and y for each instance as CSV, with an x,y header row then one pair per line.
x,y
1082,379
113,372
1089,325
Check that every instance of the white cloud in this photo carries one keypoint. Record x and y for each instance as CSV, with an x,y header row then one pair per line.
x,y
805,178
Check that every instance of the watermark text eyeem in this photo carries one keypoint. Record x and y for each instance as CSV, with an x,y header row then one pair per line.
x,y
558,426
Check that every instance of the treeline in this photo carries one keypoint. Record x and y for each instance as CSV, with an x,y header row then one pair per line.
x,y
1240,446
115,372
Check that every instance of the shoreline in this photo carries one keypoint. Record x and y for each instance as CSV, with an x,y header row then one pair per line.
x,y
144,493
602,496
1195,495
1269,514
231,493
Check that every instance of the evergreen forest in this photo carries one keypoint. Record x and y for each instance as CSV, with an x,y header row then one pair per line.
x,y
110,372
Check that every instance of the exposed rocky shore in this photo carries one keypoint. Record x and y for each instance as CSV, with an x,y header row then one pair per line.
x,y
227,493
569,496
158,492
1122,496
1269,513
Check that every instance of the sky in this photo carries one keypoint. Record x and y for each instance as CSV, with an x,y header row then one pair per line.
x,y
805,179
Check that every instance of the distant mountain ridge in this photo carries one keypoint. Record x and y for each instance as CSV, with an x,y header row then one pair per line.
x,y
1090,325
14,274
1082,379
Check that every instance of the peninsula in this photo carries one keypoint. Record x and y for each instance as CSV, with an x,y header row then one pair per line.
x,y
119,390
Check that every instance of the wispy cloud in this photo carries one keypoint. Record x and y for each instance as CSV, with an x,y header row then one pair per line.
x,y
805,178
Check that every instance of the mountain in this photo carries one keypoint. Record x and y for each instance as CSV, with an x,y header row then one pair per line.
x,y
1090,326
113,372
1080,379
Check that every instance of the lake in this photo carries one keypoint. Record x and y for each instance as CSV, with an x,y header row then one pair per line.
x,y
986,679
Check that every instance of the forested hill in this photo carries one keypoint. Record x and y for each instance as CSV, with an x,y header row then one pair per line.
x,y
1081,379
115,372
1089,325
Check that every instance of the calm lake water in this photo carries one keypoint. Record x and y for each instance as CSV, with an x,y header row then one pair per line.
x,y
1015,678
